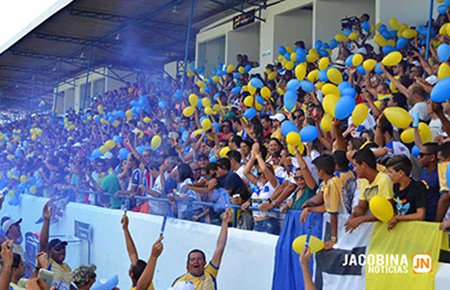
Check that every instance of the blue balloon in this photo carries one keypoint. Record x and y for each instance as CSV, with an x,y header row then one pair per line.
x,y
162,105
349,60
393,34
349,92
282,50
388,49
216,126
309,133
439,93
360,69
287,56
117,139
301,56
442,9
415,151
133,103
326,46
378,69
347,31
293,85
447,174
382,28
323,76
257,83
123,153
109,284
141,149
96,154
386,34
237,75
334,43
343,86
289,100
318,44
236,90
443,52
447,3
97,119
250,113
259,100
366,26
344,107
247,68
288,127
307,86
200,70
401,43
323,53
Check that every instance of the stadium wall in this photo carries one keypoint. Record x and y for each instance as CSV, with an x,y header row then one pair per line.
x,y
247,262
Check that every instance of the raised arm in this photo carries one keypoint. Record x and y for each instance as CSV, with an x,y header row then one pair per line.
x,y
222,240
131,248
146,278
309,179
7,257
263,166
247,170
45,231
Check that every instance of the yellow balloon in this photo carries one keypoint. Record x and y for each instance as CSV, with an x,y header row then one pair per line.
x,y
324,62
380,40
208,111
300,148
248,101
398,117
193,100
381,208
241,70
281,58
444,71
147,120
116,123
206,124
319,85
311,58
369,64
293,55
100,109
289,65
190,74
357,59
103,149
23,179
443,29
216,79
360,114
251,89
216,108
231,68
334,75
300,71
156,142
273,75
33,189
393,58
393,22
326,123
266,93
33,137
206,102
341,37
201,84
409,33
353,35
313,76
328,89
447,30
289,48
329,103
110,144
223,153
188,111
315,245
293,138
258,106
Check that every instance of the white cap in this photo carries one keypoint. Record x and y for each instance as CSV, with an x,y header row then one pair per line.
x,y
279,117
8,223
107,155
78,144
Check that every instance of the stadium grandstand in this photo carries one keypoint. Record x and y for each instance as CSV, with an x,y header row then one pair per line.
x,y
225,144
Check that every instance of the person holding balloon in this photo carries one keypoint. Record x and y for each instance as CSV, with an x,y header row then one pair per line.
x,y
410,199
371,183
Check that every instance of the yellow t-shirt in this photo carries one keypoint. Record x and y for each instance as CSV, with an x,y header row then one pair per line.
x,y
332,194
276,134
61,272
348,188
205,282
382,185
442,173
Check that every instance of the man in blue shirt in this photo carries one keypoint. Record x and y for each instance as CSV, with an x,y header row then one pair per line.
x,y
428,161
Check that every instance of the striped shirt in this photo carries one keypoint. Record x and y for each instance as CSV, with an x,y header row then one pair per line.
x,y
205,282
62,273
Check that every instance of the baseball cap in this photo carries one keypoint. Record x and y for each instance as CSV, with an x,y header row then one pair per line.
x,y
6,225
55,243
279,117
83,274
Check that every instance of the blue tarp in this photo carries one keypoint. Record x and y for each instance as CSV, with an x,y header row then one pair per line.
x,y
287,271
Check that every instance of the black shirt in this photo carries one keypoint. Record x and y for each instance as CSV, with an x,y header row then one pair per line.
x,y
411,198
231,182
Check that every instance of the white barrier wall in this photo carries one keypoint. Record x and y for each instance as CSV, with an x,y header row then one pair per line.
x,y
243,41
292,26
328,15
247,263
412,12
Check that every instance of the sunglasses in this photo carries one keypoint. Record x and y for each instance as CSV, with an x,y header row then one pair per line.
x,y
422,154
297,178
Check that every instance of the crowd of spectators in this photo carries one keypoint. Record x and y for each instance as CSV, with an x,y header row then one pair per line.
x,y
238,137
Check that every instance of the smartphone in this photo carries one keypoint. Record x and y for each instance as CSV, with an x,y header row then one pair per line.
x,y
416,120
47,277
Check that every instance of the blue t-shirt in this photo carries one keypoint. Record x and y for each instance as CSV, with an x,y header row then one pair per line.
x,y
432,192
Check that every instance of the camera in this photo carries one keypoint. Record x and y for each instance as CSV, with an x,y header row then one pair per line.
x,y
349,22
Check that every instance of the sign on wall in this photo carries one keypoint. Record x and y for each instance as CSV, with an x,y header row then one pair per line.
x,y
244,19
